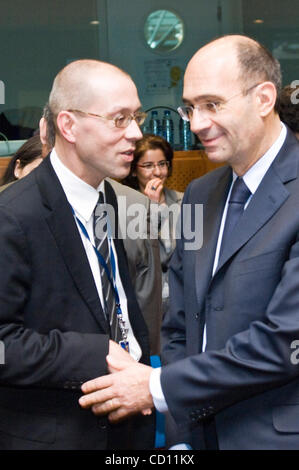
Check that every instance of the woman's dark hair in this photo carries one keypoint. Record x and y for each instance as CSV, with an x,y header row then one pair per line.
x,y
289,107
148,142
27,153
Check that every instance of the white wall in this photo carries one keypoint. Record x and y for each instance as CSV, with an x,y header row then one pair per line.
x,y
38,38
126,46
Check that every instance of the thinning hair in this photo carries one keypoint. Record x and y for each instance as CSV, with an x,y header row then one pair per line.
x,y
258,65
50,128
255,61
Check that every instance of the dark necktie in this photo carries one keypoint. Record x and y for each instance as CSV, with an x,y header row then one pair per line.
x,y
102,245
238,198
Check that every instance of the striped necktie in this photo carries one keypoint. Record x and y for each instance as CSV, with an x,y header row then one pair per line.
x,y
102,245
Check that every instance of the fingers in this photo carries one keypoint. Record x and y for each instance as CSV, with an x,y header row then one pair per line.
x,y
101,389
118,415
154,184
117,352
153,189
119,358
115,365
98,397
98,383
146,412
121,413
107,407
121,394
101,404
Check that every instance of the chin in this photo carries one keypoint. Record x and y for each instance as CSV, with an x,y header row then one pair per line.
x,y
217,156
121,174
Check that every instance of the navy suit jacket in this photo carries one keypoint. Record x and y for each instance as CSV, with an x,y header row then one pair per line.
x,y
52,324
245,379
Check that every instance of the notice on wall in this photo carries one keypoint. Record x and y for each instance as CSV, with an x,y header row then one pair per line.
x,y
161,75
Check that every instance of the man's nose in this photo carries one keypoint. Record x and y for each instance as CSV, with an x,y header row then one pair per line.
x,y
199,121
133,131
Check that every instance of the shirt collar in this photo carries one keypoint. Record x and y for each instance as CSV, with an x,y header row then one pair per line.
x,y
255,174
81,196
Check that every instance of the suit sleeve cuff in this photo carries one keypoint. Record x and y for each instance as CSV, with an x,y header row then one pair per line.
x,y
156,391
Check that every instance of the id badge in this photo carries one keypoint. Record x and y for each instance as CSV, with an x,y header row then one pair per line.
x,y
125,345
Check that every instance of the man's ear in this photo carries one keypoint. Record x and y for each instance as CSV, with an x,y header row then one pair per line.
x,y
65,124
266,94
17,169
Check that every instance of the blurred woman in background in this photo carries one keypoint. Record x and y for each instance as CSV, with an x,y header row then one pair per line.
x,y
150,169
28,157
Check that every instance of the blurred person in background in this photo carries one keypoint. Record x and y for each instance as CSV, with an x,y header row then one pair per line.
x,y
151,167
289,108
28,157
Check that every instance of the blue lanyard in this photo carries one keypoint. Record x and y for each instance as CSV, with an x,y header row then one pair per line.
x,y
124,343
102,261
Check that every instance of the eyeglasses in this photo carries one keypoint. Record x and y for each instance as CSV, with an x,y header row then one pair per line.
x,y
150,166
210,108
121,121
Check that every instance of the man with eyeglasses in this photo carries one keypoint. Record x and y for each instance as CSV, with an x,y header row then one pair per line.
x,y
142,252
231,376
66,298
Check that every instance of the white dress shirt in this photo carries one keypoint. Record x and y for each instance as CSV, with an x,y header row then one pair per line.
x,y
83,199
252,179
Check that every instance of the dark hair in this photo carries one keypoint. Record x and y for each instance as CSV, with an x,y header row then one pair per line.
x,y
49,118
258,64
27,153
288,108
148,142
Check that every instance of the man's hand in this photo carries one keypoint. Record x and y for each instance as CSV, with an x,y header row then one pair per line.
x,y
121,394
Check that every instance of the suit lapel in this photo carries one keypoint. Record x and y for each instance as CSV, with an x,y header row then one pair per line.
x,y
268,198
64,229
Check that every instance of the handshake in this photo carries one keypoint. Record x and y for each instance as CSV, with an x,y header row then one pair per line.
x,y
124,392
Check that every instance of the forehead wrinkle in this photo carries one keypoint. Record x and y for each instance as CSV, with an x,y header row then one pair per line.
x,y
110,97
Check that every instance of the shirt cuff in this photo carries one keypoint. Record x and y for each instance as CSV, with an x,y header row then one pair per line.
x,y
156,391
181,446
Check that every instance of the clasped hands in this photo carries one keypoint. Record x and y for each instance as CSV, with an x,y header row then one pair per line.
x,y
124,392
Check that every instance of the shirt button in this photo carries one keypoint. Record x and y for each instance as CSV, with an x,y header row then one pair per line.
x,y
102,424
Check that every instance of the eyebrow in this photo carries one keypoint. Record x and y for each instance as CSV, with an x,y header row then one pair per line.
x,y
204,99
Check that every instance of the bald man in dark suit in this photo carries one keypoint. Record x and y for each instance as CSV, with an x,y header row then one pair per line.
x,y
56,322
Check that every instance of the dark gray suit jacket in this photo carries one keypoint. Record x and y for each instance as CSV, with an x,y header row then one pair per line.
x,y
143,260
246,379
52,324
